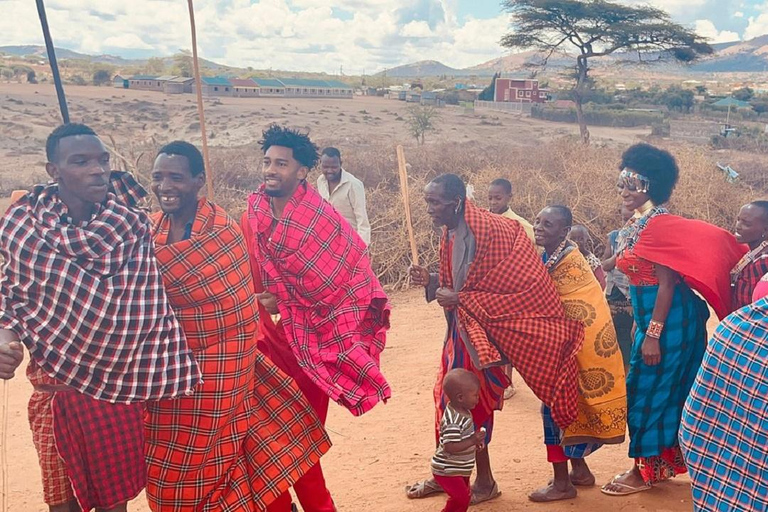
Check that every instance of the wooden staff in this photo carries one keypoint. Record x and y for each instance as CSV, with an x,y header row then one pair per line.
x,y
407,203
200,110
52,61
4,447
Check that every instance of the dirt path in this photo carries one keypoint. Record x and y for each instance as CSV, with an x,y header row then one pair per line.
x,y
375,456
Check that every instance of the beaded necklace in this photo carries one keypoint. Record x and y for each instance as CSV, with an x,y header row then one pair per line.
x,y
630,233
562,250
746,260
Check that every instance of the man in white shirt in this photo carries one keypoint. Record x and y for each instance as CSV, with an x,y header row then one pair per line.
x,y
345,192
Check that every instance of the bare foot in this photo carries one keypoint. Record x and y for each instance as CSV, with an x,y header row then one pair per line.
x,y
580,474
484,492
553,493
627,483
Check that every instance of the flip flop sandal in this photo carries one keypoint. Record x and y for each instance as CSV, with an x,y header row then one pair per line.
x,y
423,489
626,490
495,493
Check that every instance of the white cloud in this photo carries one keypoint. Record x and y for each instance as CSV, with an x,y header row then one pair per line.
x,y
128,41
758,25
673,7
707,29
282,34
738,14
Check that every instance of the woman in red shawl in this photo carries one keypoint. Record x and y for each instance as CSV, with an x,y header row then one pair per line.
x,y
660,254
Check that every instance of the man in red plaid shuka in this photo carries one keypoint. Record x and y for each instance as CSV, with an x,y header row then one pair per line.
x,y
502,307
81,289
247,434
312,270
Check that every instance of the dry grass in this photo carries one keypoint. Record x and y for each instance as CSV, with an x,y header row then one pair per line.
x,y
559,172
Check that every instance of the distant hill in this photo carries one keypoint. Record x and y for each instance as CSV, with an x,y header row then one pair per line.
x,y
734,57
64,53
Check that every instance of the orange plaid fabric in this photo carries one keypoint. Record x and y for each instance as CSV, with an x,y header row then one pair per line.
x,y
57,489
247,434
509,305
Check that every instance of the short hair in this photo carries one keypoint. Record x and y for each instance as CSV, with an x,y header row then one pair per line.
x,y
304,150
564,212
581,227
453,186
504,184
457,381
185,149
658,165
62,132
331,152
763,205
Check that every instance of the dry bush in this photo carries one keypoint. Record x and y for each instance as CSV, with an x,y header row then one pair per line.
x,y
559,172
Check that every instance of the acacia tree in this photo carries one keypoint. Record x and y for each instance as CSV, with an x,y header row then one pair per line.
x,y
597,28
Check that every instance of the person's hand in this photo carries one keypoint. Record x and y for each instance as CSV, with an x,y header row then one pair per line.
x,y
447,298
479,438
651,351
11,355
269,302
419,275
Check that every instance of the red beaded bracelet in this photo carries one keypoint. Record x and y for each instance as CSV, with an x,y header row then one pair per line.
x,y
654,329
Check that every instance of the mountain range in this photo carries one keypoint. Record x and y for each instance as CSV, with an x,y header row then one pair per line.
x,y
735,57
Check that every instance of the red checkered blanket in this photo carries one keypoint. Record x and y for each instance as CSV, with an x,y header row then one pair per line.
x,y
88,300
247,434
334,311
510,305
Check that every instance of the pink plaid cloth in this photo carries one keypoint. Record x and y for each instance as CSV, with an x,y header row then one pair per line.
x,y
334,311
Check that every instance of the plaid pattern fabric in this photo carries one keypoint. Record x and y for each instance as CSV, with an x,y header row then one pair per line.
x,y
88,301
747,280
334,311
724,430
707,272
509,305
102,445
56,487
247,434
656,394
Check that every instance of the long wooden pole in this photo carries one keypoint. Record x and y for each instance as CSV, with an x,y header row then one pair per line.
x,y
52,61
200,110
407,203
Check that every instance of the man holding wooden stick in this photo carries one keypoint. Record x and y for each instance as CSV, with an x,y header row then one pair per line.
x,y
501,307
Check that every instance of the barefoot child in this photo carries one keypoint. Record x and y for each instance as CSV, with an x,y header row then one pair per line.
x,y
455,457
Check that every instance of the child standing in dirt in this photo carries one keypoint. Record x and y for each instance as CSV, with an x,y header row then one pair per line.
x,y
454,459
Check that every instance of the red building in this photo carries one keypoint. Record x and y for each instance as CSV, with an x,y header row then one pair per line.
x,y
520,91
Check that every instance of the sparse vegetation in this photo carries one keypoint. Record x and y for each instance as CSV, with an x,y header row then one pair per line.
x,y
421,120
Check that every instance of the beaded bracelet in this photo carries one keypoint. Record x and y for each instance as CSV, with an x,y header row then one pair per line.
x,y
654,329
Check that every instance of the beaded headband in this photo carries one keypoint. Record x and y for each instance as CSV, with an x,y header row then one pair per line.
x,y
635,180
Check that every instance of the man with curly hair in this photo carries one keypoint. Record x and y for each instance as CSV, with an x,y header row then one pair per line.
x,y
323,313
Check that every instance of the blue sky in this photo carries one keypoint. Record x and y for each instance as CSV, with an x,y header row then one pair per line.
x,y
321,35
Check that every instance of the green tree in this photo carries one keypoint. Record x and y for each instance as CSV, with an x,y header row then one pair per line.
x,y
489,93
743,94
760,106
421,120
598,28
101,77
182,64
155,66
701,90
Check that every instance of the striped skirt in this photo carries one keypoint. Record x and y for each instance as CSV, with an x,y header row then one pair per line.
x,y
656,394
493,381
724,430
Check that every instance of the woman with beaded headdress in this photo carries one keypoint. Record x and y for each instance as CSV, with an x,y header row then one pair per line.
x,y
751,229
661,254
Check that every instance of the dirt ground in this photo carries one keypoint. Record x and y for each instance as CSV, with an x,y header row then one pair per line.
x,y
375,456
29,112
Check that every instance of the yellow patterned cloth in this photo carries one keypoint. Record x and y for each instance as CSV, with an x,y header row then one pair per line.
x,y
602,402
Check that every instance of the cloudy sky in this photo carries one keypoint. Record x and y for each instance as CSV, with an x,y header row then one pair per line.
x,y
320,35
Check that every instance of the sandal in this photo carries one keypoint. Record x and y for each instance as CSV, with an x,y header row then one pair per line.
x,y
423,489
495,493
626,490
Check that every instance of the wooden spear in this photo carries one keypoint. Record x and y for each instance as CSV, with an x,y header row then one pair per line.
x,y
200,110
407,203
